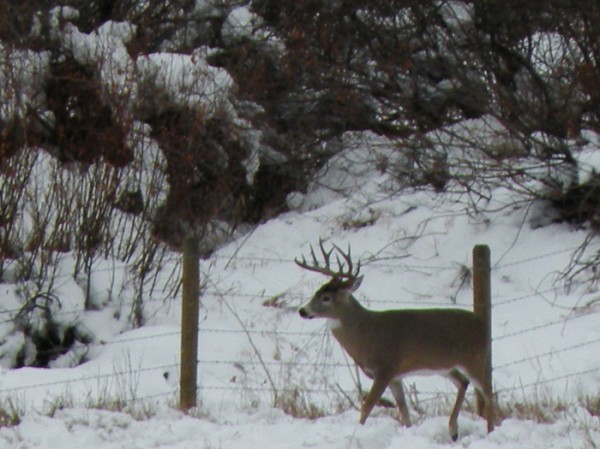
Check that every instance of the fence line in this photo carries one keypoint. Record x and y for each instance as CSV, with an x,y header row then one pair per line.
x,y
550,380
95,377
524,297
541,292
237,388
294,296
272,331
263,295
135,371
538,257
543,326
549,353
376,263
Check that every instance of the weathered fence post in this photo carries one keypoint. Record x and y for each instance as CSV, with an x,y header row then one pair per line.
x,y
190,305
482,302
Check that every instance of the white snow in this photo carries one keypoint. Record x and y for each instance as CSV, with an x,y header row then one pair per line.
x,y
414,254
272,429
21,72
415,249
239,24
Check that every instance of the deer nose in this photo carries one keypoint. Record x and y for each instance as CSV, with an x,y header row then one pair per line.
x,y
303,313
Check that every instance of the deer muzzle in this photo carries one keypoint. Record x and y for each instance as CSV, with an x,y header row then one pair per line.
x,y
305,314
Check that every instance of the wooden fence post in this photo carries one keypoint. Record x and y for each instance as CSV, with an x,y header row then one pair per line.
x,y
482,302
190,304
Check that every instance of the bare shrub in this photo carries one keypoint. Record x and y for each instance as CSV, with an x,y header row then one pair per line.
x,y
15,173
84,128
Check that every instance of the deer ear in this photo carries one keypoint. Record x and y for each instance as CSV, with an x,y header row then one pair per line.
x,y
356,283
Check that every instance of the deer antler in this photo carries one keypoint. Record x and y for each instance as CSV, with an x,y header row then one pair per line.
x,y
345,267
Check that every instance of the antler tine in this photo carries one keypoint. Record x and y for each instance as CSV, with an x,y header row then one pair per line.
x,y
344,261
316,266
357,272
326,254
347,256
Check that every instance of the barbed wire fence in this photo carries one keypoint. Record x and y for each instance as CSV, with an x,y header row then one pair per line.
x,y
346,391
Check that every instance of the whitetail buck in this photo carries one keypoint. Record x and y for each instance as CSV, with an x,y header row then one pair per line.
x,y
388,345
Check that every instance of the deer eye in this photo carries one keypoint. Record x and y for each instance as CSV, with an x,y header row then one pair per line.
x,y
326,298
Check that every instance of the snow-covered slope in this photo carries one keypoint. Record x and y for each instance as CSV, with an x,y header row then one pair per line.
x,y
415,249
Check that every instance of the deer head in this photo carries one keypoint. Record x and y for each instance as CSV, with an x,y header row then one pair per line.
x,y
333,296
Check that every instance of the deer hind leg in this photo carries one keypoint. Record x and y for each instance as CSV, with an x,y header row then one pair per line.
x,y
380,383
398,391
485,397
486,410
462,383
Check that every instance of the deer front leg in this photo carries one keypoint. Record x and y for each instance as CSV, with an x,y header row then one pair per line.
x,y
380,383
398,391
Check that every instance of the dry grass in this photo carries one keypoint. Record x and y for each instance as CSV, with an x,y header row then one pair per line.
x,y
541,411
592,404
296,402
544,410
10,414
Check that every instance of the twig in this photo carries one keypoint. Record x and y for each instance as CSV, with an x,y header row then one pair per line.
x,y
256,351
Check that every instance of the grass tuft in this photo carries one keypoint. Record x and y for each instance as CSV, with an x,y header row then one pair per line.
x,y
10,414
296,403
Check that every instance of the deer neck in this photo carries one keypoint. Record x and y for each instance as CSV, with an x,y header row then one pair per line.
x,y
349,330
351,318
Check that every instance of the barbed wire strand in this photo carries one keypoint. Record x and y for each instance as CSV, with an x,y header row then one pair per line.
x,y
284,260
263,295
547,381
552,352
544,325
94,377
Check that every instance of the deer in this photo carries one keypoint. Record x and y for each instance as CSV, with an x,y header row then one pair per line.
x,y
391,344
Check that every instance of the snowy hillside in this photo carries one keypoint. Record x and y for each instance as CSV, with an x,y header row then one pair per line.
x,y
409,136
415,250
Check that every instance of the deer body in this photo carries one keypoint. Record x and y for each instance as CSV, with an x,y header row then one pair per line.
x,y
388,345
386,340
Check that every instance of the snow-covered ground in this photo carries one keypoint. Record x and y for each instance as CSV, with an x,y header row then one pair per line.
x,y
76,428
415,250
